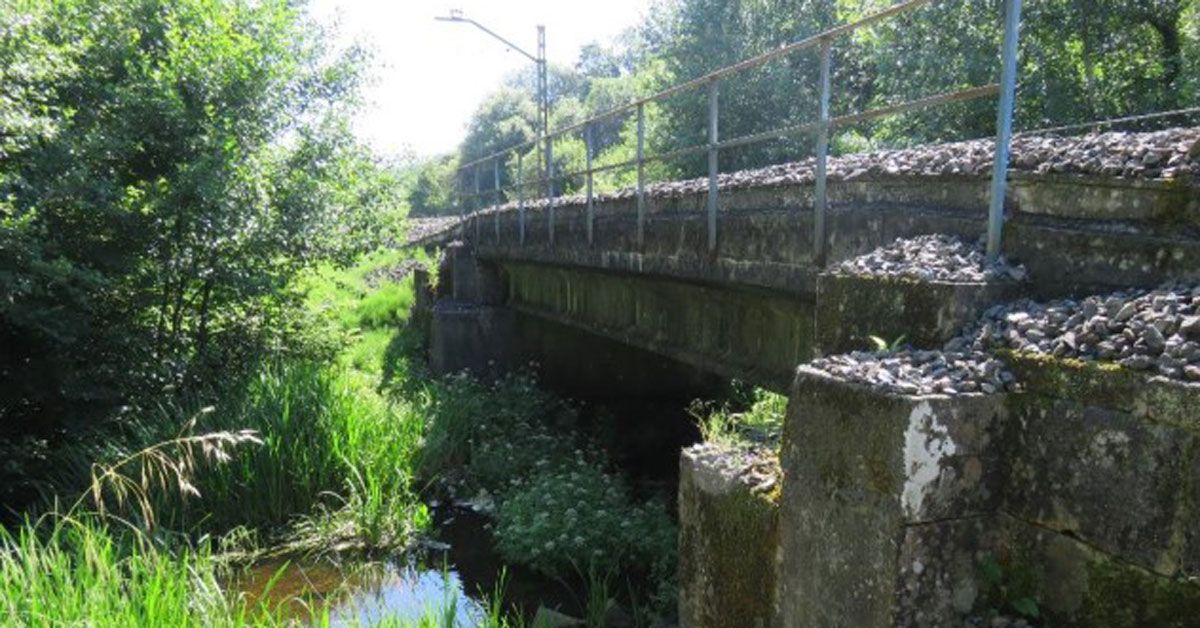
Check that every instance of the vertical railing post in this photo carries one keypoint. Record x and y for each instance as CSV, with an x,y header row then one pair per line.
x,y
520,199
1004,116
550,188
496,186
641,175
820,197
475,209
462,207
587,149
712,165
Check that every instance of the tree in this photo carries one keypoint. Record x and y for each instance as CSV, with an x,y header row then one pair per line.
x,y
165,170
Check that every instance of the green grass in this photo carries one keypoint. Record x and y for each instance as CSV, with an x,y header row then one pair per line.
x,y
81,573
754,417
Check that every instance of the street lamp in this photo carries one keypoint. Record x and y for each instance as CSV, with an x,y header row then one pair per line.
x,y
456,15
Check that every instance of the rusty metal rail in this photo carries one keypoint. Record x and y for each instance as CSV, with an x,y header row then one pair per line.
x,y
821,127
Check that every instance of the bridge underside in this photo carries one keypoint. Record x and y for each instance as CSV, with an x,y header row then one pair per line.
x,y
736,333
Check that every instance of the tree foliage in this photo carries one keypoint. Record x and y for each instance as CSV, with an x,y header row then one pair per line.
x,y
165,169
1080,61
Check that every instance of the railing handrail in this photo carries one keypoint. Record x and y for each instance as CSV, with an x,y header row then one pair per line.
x,y
824,123
719,73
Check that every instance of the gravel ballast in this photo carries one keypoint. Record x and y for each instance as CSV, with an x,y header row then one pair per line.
x,y
935,257
1167,155
918,372
1157,331
420,228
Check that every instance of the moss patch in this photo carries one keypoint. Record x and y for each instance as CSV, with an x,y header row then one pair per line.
x,y
1124,597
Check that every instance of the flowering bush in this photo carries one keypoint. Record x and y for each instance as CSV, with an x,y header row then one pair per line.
x,y
575,517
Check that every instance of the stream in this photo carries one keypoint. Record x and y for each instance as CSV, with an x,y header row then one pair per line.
x,y
464,573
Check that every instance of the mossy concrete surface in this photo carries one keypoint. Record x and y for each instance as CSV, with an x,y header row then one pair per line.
x,y
728,541
877,488
1103,198
851,309
1075,584
751,335
1084,488
1115,481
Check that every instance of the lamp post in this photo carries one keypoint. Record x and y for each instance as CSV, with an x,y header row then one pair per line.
x,y
543,97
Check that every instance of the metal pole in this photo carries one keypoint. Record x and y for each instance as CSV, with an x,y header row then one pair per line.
x,y
820,199
543,87
550,187
1004,116
641,175
462,207
475,210
496,186
520,199
712,166
587,148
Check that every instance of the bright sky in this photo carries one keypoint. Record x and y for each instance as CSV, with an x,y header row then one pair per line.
x,y
431,75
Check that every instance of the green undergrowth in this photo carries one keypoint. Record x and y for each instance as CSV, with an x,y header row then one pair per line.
x,y
558,505
326,456
753,417
326,466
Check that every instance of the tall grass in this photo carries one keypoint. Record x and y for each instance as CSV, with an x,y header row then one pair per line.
x,y
332,448
334,470
81,573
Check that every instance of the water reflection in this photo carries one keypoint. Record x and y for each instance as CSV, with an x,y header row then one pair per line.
x,y
362,594
407,594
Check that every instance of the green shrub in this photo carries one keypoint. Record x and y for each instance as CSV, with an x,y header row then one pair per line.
x,y
576,518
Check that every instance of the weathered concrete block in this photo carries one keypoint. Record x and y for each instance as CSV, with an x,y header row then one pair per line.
x,y
1109,455
475,338
1075,585
728,540
851,308
1105,476
421,314
1108,385
1093,257
939,571
473,281
861,468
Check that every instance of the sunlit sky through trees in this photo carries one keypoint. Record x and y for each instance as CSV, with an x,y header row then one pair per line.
x,y
429,76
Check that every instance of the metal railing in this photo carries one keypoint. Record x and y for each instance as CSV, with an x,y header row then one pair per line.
x,y
825,122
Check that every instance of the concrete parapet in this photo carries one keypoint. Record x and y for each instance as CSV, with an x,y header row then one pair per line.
x,y
729,534
1105,198
851,308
